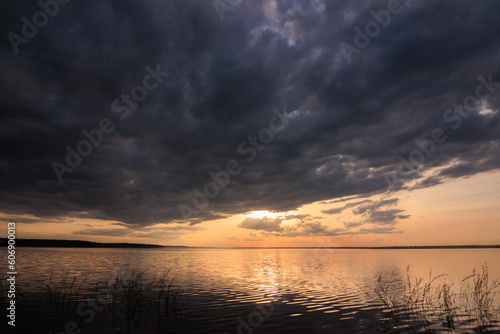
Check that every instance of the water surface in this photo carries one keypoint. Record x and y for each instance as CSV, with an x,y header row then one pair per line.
x,y
256,290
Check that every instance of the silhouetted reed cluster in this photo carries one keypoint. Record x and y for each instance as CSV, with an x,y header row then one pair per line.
x,y
64,291
433,305
141,304
130,303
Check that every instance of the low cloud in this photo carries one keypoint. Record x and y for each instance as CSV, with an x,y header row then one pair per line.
x,y
353,224
262,224
308,227
155,232
104,232
347,206
372,212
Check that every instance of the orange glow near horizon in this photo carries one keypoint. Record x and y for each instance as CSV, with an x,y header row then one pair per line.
x,y
460,212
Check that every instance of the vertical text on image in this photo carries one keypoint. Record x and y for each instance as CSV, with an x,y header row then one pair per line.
x,y
11,260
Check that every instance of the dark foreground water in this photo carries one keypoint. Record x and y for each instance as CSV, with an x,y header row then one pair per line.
x,y
231,290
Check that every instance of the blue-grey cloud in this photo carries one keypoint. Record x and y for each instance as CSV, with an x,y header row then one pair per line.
x,y
348,122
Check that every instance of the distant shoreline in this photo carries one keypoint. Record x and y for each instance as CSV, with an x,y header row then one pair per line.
x,y
91,244
77,244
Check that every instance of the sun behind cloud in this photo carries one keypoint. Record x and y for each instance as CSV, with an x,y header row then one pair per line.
x,y
263,213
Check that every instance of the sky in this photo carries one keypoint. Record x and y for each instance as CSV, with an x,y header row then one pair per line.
x,y
243,123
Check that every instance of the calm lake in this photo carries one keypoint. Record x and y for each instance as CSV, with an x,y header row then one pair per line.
x,y
244,290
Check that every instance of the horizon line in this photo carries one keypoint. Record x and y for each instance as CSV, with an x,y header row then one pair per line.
x,y
59,243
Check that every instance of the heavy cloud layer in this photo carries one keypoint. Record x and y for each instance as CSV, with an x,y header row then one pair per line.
x,y
348,122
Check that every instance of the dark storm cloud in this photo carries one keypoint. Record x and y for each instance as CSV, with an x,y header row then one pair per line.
x,y
56,220
348,122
